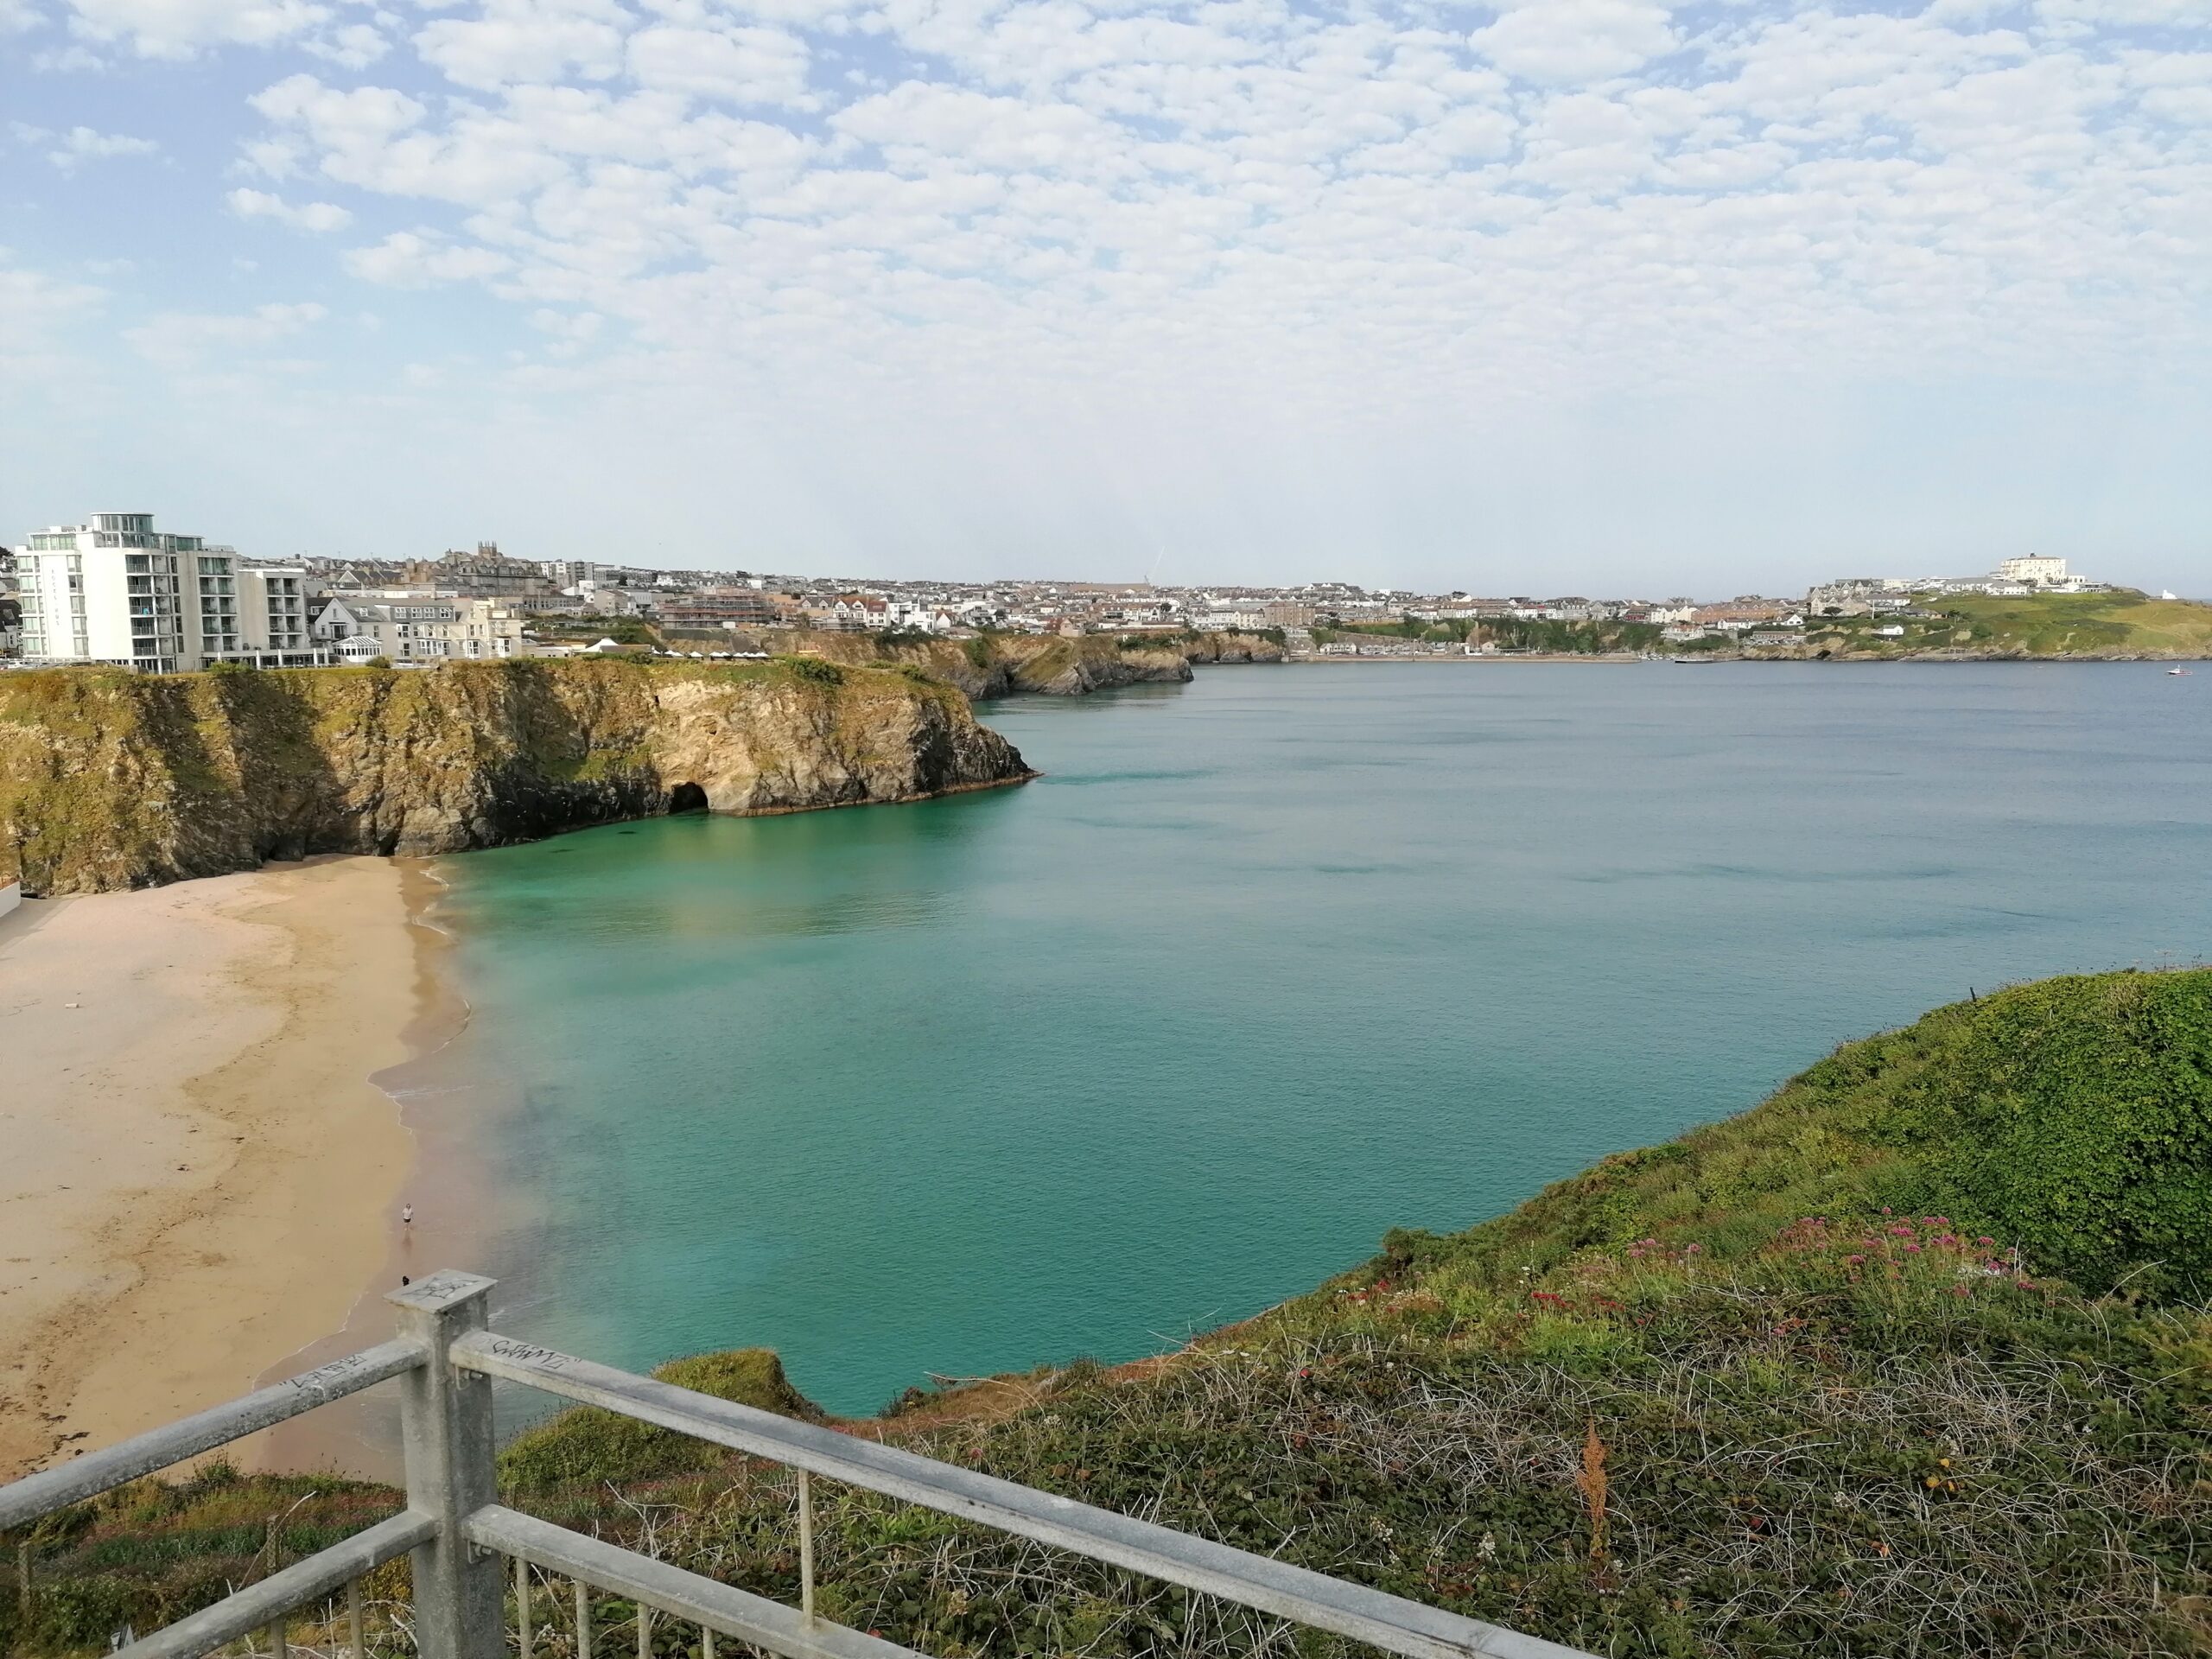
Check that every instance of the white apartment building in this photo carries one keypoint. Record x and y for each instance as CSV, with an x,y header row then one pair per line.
x,y
2036,570
565,573
117,590
273,607
420,628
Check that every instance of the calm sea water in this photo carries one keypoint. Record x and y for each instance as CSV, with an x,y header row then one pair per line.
x,y
1263,966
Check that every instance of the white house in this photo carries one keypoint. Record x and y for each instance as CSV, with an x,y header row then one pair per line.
x,y
421,628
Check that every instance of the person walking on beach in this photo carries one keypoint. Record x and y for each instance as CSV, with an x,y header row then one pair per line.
x,y
407,1215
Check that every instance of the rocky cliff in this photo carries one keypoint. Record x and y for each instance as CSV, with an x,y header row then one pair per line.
x,y
997,666
1231,648
111,780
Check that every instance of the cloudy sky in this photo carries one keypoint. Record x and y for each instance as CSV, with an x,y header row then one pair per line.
x,y
1544,294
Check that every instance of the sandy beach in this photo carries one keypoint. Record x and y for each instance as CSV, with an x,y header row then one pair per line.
x,y
199,1176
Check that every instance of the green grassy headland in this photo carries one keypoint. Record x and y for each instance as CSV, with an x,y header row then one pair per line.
x,y
1912,1359
2118,623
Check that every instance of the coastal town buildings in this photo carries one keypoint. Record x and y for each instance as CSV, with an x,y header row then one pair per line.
x,y
2036,570
720,607
484,573
1887,595
116,590
409,628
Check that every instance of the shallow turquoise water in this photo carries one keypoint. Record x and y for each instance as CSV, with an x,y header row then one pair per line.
x,y
1264,966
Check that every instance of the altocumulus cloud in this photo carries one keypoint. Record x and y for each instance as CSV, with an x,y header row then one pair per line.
x,y
1605,188
1399,215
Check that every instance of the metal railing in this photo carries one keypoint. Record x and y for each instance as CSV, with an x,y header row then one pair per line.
x,y
456,1532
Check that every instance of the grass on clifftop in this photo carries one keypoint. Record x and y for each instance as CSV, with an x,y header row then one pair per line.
x,y
590,1447
2072,1116
1810,1381
2118,623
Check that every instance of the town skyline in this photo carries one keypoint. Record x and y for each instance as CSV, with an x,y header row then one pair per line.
x,y
1782,577
121,589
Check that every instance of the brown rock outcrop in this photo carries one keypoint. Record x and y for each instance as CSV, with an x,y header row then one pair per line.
x,y
111,780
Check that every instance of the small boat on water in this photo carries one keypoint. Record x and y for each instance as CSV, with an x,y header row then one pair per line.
x,y
2177,670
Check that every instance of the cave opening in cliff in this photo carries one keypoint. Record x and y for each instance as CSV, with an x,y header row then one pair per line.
x,y
687,797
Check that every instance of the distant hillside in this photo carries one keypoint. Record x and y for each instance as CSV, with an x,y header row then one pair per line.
x,y
2119,626
1810,1381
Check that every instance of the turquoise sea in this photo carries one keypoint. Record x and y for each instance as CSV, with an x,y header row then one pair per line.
x,y
1262,966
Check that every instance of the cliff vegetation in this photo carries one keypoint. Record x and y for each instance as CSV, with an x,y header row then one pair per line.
x,y
1003,664
2121,625
112,779
1910,1360
1561,639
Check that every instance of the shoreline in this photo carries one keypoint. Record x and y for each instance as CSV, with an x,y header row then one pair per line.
x,y
454,1190
206,1173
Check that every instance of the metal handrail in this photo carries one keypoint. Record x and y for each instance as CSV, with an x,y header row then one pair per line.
x,y
171,1443
668,1589
258,1605
455,1530
1391,1623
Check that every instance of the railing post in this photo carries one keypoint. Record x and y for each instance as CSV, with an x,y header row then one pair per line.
x,y
445,1420
805,1545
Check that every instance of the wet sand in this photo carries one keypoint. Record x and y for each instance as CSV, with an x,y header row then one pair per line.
x,y
199,1176
461,1208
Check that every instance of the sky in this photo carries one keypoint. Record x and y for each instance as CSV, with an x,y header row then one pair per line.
x,y
1536,296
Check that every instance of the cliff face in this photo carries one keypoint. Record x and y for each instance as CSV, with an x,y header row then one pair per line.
x,y
997,666
110,780
1231,648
